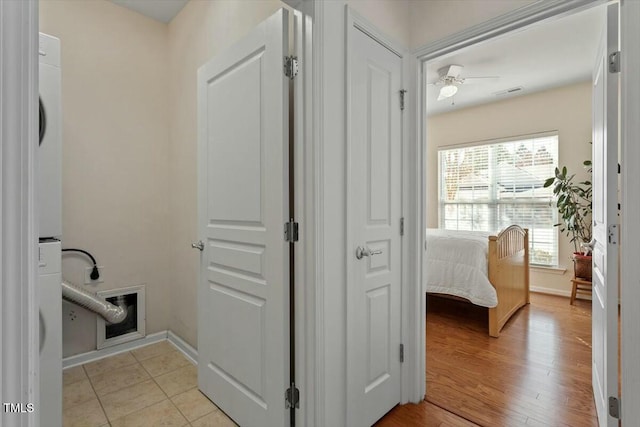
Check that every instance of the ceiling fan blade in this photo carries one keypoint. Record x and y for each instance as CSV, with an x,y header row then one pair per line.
x,y
474,80
454,71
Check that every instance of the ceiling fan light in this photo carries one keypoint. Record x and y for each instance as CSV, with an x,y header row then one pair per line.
x,y
447,91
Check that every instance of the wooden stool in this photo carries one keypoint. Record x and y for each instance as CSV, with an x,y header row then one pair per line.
x,y
580,285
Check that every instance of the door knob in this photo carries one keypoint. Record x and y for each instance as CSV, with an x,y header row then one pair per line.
x,y
198,245
363,252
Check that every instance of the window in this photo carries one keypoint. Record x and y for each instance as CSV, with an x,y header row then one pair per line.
x,y
490,186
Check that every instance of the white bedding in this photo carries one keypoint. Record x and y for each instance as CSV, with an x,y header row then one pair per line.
x,y
457,265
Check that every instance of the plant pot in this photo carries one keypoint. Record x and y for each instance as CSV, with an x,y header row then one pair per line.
x,y
582,265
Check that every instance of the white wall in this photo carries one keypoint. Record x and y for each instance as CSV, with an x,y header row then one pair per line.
x,y
115,153
435,19
390,16
566,110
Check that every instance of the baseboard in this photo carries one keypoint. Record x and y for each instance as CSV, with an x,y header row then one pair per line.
x,y
550,291
80,359
189,352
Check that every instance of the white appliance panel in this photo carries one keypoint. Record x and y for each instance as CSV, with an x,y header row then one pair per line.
x,y
50,303
50,152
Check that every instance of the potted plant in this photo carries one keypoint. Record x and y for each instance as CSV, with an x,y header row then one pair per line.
x,y
575,207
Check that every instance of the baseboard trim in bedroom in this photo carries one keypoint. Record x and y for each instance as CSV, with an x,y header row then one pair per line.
x,y
550,291
91,356
182,346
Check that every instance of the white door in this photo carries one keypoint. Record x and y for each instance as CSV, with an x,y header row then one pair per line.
x,y
373,289
243,203
605,223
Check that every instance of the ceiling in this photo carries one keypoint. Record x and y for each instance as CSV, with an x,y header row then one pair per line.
x,y
160,10
547,55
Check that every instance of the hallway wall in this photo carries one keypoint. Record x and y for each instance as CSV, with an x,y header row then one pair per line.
x,y
435,19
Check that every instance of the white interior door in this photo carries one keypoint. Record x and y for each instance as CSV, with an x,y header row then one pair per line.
x,y
605,223
373,290
243,203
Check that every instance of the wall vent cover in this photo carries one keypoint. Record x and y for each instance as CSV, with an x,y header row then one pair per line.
x,y
510,91
133,326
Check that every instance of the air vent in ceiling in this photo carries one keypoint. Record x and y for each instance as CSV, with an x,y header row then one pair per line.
x,y
510,91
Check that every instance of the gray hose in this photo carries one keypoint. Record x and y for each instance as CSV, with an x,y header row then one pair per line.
x,y
111,313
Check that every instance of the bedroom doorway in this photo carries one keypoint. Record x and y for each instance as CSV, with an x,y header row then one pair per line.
x,y
501,115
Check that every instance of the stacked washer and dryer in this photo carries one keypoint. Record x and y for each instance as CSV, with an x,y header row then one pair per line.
x,y
49,196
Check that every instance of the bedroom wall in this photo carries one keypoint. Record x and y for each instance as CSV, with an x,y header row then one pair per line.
x,y
566,110
115,154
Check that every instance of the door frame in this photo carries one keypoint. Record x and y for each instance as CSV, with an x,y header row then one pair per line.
x,y
304,202
19,324
630,238
630,132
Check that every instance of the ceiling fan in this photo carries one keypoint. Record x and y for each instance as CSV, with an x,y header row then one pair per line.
x,y
450,80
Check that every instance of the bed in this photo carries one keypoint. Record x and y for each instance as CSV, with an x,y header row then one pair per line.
x,y
487,270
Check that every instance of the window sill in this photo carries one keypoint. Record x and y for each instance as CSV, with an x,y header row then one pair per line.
x,y
550,270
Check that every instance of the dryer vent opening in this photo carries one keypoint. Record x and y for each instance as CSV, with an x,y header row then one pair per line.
x,y
132,299
130,323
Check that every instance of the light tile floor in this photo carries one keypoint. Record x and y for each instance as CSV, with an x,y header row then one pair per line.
x,y
150,386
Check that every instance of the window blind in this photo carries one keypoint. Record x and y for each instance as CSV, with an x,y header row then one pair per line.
x,y
491,186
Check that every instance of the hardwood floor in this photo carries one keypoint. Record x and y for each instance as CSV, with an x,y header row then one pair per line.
x,y
537,373
424,414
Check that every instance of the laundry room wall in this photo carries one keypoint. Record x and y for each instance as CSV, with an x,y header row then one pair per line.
x,y
115,154
565,109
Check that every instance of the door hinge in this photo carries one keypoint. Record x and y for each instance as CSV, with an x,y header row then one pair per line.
x,y
614,407
614,62
291,231
401,353
291,66
292,397
612,233
402,226
402,92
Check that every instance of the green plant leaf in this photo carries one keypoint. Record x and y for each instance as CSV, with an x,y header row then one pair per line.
x,y
557,188
549,181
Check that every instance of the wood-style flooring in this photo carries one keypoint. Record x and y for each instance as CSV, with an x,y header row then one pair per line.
x,y
537,373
